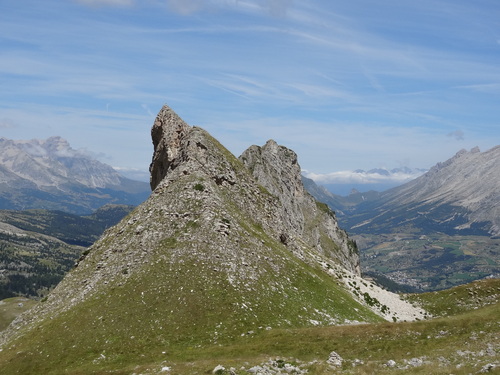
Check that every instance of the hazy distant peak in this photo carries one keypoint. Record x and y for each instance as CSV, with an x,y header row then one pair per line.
x,y
464,187
59,147
49,173
54,146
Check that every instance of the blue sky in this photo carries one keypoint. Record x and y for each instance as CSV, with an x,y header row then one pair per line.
x,y
346,84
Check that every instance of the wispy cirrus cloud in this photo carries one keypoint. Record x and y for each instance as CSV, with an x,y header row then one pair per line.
x,y
106,2
457,134
187,7
6,123
276,8
345,84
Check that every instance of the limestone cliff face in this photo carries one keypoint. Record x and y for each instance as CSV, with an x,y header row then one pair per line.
x,y
167,134
300,216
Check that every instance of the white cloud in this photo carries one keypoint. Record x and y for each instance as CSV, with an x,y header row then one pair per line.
x,y
106,2
457,134
485,87
185,7
6,123
148,111
33,149
279,7
276,8
362,177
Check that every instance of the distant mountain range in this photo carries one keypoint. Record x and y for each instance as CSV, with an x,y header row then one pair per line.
x,y
460,196
49,174
378,179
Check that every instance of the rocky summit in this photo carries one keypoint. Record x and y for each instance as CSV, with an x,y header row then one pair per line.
x,y
223,249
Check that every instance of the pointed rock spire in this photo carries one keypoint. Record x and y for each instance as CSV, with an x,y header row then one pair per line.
x,y
167,133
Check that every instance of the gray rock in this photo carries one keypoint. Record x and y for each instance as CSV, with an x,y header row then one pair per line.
x,y
390,363
167,133
488,368
277,169
335,360
219,369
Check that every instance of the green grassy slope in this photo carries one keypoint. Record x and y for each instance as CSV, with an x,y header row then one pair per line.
x,y
10,308
179,305
462,343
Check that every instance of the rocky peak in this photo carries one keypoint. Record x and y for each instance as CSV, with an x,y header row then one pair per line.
x,y
277,169
56,145
49,173
167,134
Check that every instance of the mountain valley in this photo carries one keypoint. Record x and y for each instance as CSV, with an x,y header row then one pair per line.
x,y
435,232
38,247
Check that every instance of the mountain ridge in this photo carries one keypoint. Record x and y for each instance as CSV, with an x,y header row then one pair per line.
x,y
464,188
49,174
431,233
458,196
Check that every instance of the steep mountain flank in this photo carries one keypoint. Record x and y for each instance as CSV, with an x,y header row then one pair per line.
x,y
208,259
49,174
460,196
276,168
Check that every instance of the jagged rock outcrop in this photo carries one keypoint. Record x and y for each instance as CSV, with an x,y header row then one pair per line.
x,y
167,134
277,169
204,260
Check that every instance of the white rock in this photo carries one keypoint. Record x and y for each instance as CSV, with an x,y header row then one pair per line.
x,y
335,360
390,363
218,369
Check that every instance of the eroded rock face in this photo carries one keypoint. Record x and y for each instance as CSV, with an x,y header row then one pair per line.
x,y
296,219
277,169
167,134
301,218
